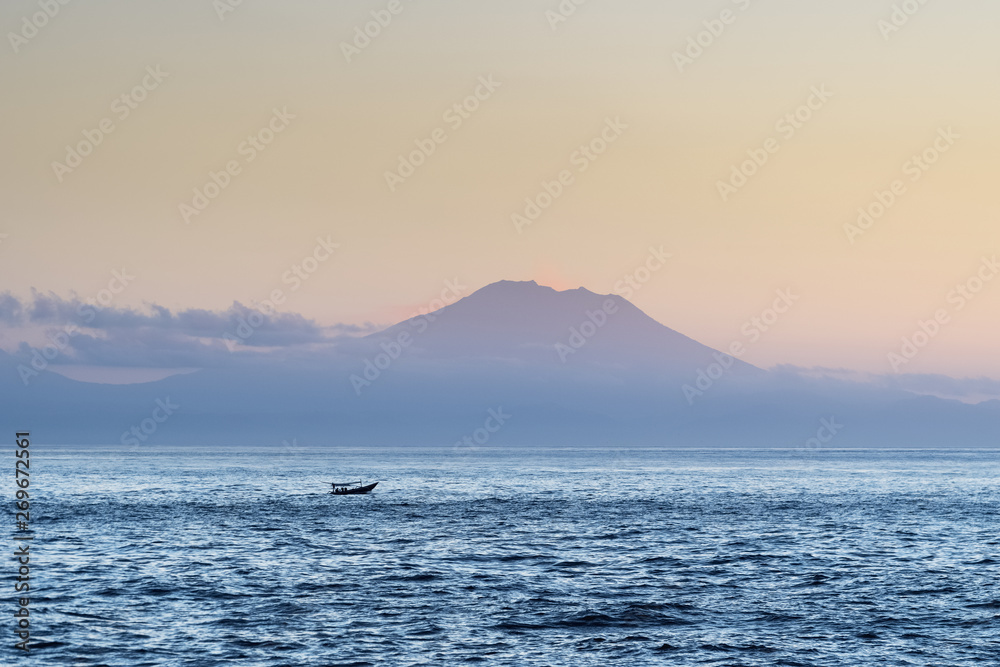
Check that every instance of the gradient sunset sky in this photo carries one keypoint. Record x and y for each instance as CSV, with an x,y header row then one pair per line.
x,y
892,94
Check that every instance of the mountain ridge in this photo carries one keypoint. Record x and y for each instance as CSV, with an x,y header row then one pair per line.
x,y
525,321
496,348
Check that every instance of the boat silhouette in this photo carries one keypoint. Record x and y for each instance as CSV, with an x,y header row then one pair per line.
x,y
351,488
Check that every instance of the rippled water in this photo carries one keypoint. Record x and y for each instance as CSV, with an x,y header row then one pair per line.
x,y
571,557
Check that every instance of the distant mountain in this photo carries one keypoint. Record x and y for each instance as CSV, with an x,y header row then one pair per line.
x,y
526,322
569,368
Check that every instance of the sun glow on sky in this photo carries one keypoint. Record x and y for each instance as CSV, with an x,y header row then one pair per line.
x,y
740,108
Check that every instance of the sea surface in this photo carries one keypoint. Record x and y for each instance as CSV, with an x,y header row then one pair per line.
x,y
512,557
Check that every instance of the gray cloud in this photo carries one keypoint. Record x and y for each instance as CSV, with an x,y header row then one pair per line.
x,y
159,337
942,386
11,312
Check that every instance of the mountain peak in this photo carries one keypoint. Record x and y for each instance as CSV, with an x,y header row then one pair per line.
x,y
525,322
512,285
530,285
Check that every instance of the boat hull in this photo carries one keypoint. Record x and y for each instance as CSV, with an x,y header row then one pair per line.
x,y
355,491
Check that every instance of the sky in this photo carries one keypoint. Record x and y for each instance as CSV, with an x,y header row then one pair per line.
x,y
895,115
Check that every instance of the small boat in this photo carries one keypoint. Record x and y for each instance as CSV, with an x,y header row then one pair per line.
x,y
348,488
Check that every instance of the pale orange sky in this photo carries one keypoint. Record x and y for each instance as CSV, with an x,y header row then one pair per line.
x,y
656,185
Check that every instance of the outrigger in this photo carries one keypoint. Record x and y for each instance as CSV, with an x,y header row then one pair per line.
x,y
348,488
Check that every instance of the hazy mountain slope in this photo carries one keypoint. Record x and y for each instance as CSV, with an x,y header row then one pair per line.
x,y
495,349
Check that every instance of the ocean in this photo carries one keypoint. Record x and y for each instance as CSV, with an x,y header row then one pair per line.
x,y
187,556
